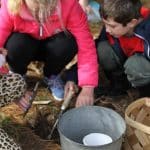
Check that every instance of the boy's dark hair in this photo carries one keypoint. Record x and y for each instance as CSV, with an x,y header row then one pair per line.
x,y
122,11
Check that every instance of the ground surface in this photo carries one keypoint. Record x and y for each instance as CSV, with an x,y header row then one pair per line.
x,y
31,131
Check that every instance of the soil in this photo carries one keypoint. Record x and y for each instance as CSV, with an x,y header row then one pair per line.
x,y
31,131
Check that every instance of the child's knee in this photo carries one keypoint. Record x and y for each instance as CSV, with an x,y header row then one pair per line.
x,y
103,49
137,70
107,57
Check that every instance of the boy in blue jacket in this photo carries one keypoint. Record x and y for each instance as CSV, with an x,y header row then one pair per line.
x,y
124,45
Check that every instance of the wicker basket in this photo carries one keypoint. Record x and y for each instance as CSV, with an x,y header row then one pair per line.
x,y
137,116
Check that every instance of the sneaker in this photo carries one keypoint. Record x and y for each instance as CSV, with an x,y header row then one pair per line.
x,y
56,86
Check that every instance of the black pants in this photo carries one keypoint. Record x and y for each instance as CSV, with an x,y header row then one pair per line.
x,y
55,52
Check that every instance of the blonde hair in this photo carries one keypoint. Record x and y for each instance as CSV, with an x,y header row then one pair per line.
x,y
14,6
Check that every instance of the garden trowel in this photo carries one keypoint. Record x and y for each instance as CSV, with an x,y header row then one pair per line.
x,y
64,106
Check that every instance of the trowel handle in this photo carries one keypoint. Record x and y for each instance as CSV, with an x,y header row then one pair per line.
x,y
71,63
67,100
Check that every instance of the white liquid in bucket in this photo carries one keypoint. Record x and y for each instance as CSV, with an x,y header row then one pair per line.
x,y
96,139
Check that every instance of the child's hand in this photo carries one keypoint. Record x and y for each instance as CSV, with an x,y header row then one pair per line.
x,y
2,60
3,68
70,86
86,97
3,51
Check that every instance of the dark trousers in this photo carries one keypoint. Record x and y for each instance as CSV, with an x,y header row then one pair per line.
x,y
56,52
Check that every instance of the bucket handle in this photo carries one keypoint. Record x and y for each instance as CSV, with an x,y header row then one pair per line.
x,y
131,122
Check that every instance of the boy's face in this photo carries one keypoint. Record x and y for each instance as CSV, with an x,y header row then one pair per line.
x,y
117,29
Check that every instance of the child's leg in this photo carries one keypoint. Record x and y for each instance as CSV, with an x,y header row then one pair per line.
x,y
108,60
137,68
113,68
22,49
60,50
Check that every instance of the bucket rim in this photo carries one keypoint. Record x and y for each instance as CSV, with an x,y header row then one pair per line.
x,y
114,141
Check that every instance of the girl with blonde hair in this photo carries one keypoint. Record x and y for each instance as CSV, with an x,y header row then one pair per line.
x,y
52,31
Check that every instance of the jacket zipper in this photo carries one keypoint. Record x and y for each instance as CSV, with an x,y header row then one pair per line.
x,y
41,31
145,41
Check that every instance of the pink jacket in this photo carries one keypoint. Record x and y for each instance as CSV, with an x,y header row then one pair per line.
x,y
70,16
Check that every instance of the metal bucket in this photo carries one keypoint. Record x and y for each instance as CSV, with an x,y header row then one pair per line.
x,y
79,122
